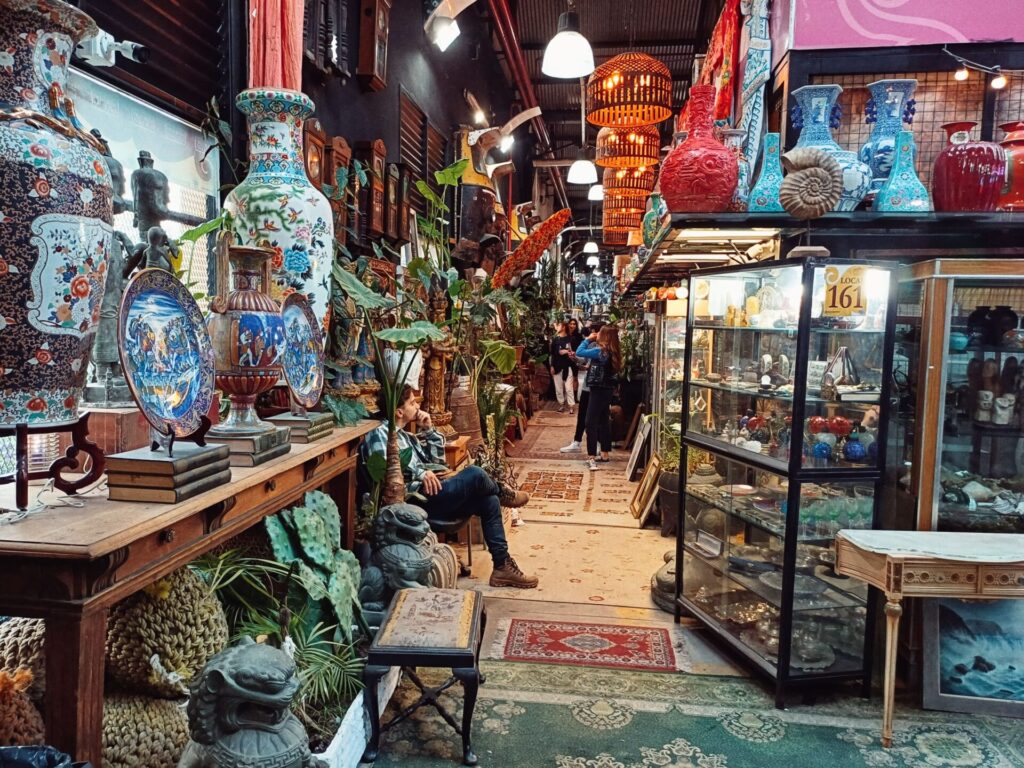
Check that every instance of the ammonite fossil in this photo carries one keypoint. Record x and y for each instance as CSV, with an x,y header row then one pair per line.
x,y
812,185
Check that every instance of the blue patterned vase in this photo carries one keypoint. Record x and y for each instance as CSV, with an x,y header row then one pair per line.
x,y
734,139
764,197
903,191
654,227
890,106
815,115
277,206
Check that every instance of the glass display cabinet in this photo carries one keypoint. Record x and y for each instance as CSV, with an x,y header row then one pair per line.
x,y
958,440
669,367
784,435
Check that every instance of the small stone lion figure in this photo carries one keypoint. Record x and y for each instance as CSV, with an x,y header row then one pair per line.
x,y
238,712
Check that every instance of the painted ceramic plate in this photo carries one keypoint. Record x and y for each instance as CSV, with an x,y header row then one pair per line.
x,y
165,352
303,359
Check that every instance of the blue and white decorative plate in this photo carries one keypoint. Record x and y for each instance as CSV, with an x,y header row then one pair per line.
x,y
165,352
303,360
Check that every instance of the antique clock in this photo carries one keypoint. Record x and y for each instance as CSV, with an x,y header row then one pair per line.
x,y
315,142
373,44
391,202
405,215
373,156
339,155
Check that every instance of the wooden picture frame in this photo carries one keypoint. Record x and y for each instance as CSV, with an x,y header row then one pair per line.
x,y
639,445
633,424
646,488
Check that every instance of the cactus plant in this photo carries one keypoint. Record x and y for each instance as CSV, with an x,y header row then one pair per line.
x,y
309,535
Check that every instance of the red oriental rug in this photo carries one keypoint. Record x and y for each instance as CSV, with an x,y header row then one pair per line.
x,y
590,645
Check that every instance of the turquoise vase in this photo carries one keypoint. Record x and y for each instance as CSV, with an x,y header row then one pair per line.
x,y
815,115
764,197
653,226
903,191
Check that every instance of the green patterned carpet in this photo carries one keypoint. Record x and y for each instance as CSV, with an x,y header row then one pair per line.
x,y
538,715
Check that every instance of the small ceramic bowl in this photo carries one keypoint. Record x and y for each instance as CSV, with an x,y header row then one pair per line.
x,y
958,341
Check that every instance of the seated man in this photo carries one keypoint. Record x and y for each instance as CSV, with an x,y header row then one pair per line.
x,y
470,492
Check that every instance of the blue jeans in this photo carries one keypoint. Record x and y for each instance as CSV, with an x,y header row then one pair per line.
x,y
472,492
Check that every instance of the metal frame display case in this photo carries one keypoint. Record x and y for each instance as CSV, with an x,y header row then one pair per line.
x,y
669,367
958,446
784,437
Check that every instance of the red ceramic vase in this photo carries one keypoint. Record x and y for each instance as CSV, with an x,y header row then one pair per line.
x,y
699,175
1012,197
969,175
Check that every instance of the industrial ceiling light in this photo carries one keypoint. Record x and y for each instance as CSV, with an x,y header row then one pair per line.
x,y
568,55
443,31
593,261
596,193
590,247
583,170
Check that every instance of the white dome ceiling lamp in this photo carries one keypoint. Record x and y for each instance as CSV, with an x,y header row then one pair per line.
x,y
568,54
583,170
590,247
593,261
441,26
596,193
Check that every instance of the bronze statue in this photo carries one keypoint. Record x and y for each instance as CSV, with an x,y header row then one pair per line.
x,y
159,253
151,192
239,712
108,384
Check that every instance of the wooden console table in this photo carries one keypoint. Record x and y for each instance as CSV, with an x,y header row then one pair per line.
x,y
70,565
980,566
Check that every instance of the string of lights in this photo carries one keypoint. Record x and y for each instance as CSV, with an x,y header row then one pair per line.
x,y
1000,76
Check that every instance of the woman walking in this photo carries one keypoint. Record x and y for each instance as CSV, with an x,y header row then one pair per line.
x,y
605,356
562,369
582,393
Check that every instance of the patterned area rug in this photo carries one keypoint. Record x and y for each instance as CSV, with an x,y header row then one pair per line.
x,y
542,715
616,646
567,492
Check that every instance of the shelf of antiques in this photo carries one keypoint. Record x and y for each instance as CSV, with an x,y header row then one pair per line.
x,y
957,456
797,342
669,367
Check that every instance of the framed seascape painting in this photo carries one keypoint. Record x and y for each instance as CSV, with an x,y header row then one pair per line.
x,y
974,656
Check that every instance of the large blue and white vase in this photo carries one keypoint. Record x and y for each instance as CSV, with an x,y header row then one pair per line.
x,y
890,107
815,114
764,196
55,218
903,191
277,206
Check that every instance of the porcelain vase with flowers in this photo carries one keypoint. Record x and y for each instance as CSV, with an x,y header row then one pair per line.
x,y
277,206
55,217
815,115
890,106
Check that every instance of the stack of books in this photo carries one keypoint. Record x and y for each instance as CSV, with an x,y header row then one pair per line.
x,y
305,429
148,475
255,450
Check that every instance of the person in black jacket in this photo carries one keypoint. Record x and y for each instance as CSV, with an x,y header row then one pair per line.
x,y
562,369
605,356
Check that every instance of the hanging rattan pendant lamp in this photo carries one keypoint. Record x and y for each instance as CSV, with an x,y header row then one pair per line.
x,y
620,222
628,147
628,91
627,182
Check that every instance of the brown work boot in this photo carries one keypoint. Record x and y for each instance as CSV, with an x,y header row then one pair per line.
x,y
509,497
509,575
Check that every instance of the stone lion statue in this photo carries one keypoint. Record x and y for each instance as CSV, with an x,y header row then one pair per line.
x,y
406,555
238,712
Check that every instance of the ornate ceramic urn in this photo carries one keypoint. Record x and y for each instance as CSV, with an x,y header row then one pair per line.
x,y
890,106
815,115
247,333
277,206
55,218
1012,196
700,174
969,175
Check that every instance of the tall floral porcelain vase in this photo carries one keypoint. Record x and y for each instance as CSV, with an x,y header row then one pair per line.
x,y
277,206
903,191
890,106
764,196
700,174
969,175
815,115
55,219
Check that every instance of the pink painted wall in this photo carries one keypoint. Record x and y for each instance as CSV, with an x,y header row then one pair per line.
x,y
810,24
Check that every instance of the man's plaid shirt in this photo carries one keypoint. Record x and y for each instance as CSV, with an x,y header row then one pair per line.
x,y
427,448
